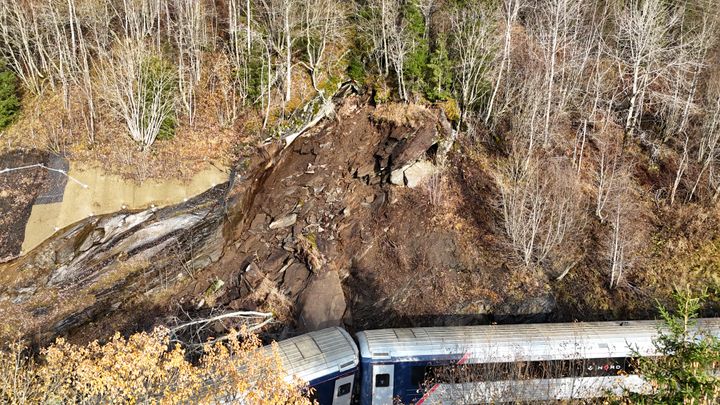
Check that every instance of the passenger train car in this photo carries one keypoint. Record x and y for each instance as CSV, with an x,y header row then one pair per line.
x,y
473,364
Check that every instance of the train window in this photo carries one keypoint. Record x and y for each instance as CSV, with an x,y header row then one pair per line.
x,y
382,380
344,390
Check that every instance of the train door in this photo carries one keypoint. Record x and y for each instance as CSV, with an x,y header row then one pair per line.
x,y
343,390
383,376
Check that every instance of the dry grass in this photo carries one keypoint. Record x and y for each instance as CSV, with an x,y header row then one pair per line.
x,y
399,114
45,124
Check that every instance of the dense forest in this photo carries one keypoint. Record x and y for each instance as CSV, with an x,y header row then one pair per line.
x,y
586,131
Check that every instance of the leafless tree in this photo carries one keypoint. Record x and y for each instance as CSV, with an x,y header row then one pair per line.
x,y
627,230
387,31
22,43
650,44
540,207
399,47
138,93
189,34
510,11
281,21
239,49
383,17
554,25
708,148
609,172
474,43
322,25
141,20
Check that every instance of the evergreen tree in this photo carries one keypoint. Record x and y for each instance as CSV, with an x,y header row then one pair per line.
x,y
439,72
685,371
9,101
417,58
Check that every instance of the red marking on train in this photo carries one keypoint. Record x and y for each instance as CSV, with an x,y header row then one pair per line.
x,y
460,362
427,394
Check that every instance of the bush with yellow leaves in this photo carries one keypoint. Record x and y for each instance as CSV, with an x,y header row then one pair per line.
x,y
146,369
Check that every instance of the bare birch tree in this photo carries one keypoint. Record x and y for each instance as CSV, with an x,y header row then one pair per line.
x,y
566,45
474,49
647,49
141,20
190,38
385,29
139,92
709,146
510,11
399,47
540,207
626,231
609,172
322,25
239,48
281,21
22,43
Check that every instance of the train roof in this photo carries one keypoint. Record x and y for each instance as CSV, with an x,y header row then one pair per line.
x,y
318,354
524,342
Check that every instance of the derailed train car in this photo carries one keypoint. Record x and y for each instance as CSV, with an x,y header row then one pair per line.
x,y
474,364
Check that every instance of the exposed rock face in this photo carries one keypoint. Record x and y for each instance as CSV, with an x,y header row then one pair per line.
x,y
295,278
322,303
311,232
531,309
112,262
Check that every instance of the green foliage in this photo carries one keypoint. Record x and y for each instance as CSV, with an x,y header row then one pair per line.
x,y
417,58
356,68
9,100
161,79
684,372
439,72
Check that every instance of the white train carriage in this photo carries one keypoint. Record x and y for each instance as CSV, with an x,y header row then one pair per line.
x,y
327,359
556,361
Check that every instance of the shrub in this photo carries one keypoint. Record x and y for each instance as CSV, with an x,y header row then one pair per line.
x,y
145,368
356,68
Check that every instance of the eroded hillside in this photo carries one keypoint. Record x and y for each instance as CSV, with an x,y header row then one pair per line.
x,y
367,220
314,232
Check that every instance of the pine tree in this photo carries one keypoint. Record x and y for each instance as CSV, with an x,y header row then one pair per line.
x,y
9,101
685,371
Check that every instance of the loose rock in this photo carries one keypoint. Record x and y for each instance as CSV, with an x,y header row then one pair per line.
x,y
284,222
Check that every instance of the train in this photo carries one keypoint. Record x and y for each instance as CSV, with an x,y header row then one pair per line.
x,y
473,364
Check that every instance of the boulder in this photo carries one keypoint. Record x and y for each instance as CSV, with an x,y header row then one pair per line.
x,y
322,303
413,148
419,172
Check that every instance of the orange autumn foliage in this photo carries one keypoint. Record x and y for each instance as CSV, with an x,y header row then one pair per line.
x,y
146,369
